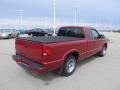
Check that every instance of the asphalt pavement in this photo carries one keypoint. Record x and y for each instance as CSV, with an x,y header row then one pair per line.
x,y
95,73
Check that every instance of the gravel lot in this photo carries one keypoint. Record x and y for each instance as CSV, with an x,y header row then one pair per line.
x,y
95,73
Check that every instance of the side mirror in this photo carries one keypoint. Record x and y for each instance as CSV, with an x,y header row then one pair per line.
x,y
101,36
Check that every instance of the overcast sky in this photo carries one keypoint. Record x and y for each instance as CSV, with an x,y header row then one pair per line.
x,y
103,10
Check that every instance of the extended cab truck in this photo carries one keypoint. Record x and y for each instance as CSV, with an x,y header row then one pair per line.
x,y
59,53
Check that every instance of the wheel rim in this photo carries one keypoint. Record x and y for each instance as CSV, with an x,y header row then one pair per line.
x,y
9,36
104,51
70,65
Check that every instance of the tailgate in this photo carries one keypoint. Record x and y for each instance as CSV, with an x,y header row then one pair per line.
x,y
29,49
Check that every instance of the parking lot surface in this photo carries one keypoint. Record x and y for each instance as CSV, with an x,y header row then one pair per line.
x,y
95,73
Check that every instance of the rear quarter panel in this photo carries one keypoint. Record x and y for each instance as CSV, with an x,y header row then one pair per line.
x,y
62,49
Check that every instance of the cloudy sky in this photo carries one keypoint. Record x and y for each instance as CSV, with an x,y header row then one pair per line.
x,y
90,10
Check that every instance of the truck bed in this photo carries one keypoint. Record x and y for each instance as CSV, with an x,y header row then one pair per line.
x,y
50,39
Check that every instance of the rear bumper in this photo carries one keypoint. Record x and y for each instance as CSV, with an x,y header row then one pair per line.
x,y
29,64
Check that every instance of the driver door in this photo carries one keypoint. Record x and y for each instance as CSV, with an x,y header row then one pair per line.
x,y
96,40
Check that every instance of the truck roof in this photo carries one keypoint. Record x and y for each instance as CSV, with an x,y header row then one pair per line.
x,y
84,27
75,27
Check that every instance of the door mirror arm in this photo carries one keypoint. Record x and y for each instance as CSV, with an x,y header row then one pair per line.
x,y
101,36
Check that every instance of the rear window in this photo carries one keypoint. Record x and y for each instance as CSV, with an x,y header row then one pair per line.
x,y
71,32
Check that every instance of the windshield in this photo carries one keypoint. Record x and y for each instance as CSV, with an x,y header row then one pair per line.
x,y
71,32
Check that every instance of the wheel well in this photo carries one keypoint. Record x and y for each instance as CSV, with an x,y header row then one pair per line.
x,y
76,54
9,35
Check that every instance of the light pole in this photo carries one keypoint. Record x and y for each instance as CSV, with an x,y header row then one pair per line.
x,y
75,12
96,23
54,23
111,26
21,19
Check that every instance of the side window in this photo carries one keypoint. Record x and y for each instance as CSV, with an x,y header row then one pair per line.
x,y
95,34
90,34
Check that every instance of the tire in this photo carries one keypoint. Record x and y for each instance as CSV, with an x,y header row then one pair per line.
x,y
102,53
9,36
68,67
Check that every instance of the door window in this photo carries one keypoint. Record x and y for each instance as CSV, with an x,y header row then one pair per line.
x,y
90,34
95,34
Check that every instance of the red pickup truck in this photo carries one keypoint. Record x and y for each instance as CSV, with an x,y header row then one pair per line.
x,y
61,52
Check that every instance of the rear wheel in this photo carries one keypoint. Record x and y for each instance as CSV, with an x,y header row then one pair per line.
x,y
69,66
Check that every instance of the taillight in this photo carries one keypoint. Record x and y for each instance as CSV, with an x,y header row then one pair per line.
x,y
46,51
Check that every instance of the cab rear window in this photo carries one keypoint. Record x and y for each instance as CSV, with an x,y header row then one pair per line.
x,y
71,32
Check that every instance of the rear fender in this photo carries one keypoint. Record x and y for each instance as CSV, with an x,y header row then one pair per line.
x,y
69,52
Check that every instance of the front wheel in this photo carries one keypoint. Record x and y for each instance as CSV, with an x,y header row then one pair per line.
x,y
69,66
9,36
102,52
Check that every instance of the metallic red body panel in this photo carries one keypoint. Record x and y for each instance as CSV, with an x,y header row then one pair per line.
x,y
58,51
